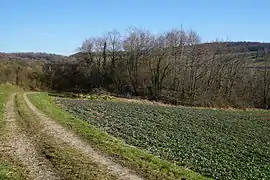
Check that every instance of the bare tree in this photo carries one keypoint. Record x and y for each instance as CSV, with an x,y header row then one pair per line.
x,y
136,45
159,65
176,43
177,67
114,46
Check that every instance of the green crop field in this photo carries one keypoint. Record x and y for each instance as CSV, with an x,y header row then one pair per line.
x,y
221,144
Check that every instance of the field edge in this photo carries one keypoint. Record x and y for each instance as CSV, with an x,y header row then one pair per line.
x,y
147,165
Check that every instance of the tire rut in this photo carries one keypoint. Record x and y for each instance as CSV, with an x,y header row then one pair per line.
x,y
60,133
18,145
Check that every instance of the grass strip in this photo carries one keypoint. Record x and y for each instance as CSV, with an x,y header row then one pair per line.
x,y
67,162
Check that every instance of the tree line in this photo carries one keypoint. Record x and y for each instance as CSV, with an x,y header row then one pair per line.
x,y
173,67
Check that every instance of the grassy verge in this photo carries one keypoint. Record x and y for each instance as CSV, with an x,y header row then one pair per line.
x,y
10,172
5,91
9,168
1,112
149,166
67,162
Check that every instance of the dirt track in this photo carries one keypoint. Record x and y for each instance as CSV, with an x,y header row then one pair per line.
x,y
19,145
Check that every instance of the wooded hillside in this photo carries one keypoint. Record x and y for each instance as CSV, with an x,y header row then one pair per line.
x,y
173,67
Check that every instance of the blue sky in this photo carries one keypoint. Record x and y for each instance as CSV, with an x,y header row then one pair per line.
x,y
59,26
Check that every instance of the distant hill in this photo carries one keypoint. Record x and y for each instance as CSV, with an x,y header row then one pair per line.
x,y
45,57
242,47
251,48
237,47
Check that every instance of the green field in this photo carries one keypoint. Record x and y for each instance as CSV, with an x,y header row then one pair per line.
x,y
221,144
144,163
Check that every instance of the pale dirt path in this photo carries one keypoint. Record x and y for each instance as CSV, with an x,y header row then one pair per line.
x,y
62,134
18,145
